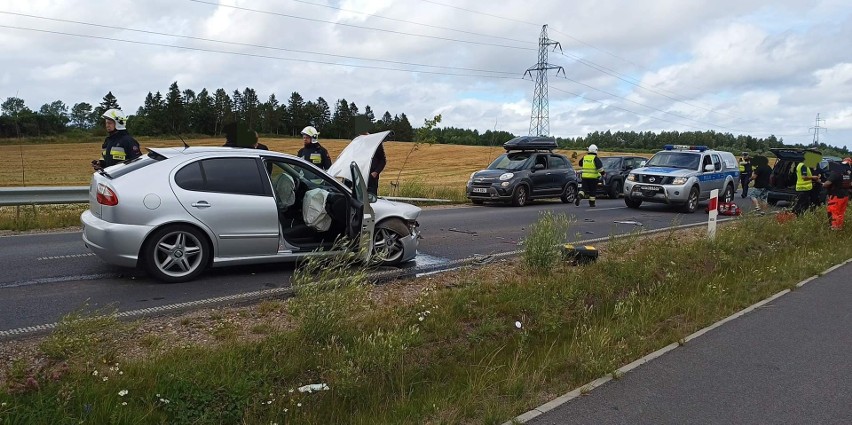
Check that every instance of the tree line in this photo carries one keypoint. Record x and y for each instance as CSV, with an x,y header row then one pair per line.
x,y
181,112
205,113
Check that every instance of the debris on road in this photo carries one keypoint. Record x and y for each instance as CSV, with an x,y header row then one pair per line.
x,y
310,388
635,223
469,232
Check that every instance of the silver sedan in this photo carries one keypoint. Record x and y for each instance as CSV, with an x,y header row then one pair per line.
x,y
177,211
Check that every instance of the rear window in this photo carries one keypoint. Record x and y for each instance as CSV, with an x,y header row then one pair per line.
x,y
134,164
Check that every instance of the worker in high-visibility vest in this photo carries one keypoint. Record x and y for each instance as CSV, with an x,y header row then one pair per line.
x,y
591,170
804,183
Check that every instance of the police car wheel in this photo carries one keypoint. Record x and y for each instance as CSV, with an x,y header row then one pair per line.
x,y
691,201
615,189
729,194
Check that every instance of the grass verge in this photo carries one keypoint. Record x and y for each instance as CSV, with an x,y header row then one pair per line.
x,y
475,346
40,217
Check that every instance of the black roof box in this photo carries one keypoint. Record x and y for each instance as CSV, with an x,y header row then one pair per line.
x,y
530,143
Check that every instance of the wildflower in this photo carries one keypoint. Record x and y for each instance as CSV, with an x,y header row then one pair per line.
x,y
2,404
105,378
124,403
94,373
518,324
123,393
420,318
298,404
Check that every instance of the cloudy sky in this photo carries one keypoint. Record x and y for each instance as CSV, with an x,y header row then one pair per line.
x,y
738,66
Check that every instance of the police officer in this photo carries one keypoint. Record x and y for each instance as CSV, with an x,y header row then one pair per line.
x,y
838,185
313,152
804,183
591,170
745,173
119,146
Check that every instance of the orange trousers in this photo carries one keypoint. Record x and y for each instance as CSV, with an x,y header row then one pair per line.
x,y
837,210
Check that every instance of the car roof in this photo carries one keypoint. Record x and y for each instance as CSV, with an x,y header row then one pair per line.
x,y
173,152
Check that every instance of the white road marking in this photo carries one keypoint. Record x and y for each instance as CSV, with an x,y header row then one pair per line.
x,y
62,257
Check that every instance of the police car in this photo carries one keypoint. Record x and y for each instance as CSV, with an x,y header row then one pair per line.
x,y
682,176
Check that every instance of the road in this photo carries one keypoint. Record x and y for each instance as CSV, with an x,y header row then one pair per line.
x,y
787,362
49,275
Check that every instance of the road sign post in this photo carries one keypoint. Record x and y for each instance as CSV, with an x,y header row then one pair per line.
x,y
712,213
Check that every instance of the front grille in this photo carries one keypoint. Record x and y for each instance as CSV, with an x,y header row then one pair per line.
x,y
656,179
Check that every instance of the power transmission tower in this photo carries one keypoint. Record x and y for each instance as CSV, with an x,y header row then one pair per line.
x,y
540,116
816,128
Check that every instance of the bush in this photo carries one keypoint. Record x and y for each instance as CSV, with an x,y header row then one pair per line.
x,y
541,247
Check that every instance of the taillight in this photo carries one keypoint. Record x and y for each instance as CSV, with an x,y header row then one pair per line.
x,y
106,196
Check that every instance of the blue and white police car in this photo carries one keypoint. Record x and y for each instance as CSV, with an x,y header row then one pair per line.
x,y
682,176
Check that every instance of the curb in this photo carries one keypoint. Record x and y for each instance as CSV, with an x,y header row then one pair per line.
x,y
565,398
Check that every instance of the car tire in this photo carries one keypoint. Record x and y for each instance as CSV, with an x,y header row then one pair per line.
x,y
691,201
521,196
728,195
632,203
176,253
772,201
388,249
477,201
615,189
569,194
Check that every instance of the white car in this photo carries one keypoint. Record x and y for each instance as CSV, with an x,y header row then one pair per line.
x,y
177,211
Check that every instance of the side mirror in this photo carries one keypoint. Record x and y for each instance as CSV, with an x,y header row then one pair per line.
x,y
627,167
538,167
642,164
709,167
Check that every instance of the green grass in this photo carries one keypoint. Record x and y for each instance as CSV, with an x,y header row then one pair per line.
x,y
34,217
452,353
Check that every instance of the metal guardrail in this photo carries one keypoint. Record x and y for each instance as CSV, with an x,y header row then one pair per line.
x,y
43,195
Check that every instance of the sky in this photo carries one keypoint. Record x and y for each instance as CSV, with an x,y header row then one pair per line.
x,y
747,67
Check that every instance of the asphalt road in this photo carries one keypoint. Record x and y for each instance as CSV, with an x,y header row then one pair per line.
x,y
46,276
788,362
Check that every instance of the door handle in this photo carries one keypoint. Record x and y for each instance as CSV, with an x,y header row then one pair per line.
x,y
201,204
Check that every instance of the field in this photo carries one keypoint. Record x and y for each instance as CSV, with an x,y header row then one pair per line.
x,y
441,168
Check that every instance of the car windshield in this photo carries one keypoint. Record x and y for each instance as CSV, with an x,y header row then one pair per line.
x,y
685,160
611,163
510,161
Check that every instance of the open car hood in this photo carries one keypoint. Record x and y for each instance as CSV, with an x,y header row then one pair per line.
x,y
360,150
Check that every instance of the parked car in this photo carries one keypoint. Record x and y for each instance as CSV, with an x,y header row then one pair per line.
x,y
617,168
528,170
682,176
782,181
177,211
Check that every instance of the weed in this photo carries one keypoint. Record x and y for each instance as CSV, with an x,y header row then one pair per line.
x,y
82,336
541,246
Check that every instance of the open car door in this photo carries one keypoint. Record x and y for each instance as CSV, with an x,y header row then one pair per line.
x,y
362,221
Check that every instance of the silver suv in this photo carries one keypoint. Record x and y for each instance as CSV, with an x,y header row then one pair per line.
x,y
682,176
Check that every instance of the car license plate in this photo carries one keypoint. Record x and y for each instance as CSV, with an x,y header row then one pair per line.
x,y
480,190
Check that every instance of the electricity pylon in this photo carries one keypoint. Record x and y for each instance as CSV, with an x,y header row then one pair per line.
x,y
540,116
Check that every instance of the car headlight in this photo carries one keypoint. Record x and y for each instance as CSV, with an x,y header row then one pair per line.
x,y
506,176
679,181
631,177
471,175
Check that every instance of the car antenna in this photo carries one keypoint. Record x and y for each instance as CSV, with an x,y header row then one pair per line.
x,y
185,145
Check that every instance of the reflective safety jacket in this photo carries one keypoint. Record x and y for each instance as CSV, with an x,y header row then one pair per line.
x,y
315,154
119,146
591,167
803,185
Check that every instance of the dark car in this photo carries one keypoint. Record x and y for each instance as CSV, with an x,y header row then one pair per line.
x,y
617,168
528,170
782,182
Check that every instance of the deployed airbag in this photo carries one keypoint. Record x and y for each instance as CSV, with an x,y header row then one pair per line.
x,y
313,210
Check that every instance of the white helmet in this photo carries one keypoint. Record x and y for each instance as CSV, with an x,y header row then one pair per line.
x,y
593,148
118,117
311,132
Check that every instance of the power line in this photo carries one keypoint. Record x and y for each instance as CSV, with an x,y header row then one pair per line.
x,y
254,55
304,18
624,109
255,45
372,15
481,13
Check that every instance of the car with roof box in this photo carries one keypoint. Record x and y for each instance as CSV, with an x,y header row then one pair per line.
x,y
528,170
682,176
